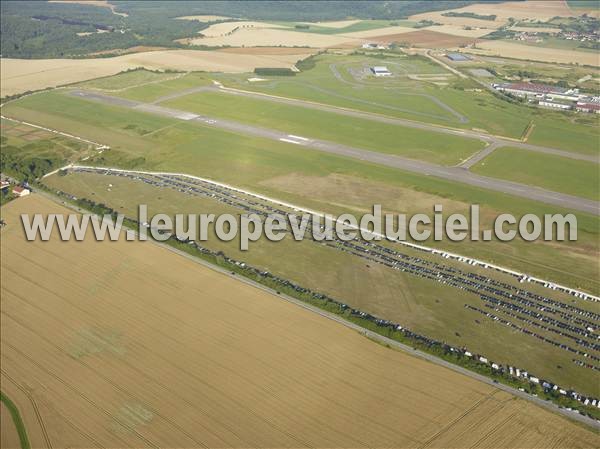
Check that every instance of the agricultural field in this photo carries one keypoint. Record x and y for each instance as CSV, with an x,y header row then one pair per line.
x,y
539,10
22,75
260,110
535,53
9,436
179,372
424,306
554,173
281,170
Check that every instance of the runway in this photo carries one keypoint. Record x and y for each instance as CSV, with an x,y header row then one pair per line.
x,y
454,174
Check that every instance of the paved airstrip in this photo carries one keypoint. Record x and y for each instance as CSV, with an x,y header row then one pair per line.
x,y
459,174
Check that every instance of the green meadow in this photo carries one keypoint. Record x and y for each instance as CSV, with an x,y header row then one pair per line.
x,y
560,174
311,178
367,134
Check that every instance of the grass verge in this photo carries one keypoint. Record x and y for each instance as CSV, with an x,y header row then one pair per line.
x,y
16,417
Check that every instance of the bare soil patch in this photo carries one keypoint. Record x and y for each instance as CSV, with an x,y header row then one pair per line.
x,y
427,39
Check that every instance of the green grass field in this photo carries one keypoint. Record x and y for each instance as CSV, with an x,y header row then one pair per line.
x,y
363,25
407,98
380,137
344,81
425,306
152,91
555,173
310,178
128,80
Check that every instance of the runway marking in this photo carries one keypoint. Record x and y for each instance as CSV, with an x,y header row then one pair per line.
x,y
283,139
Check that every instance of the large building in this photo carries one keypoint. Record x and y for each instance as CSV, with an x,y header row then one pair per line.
x,y
529,89
457,57
588,107
381,71
539,91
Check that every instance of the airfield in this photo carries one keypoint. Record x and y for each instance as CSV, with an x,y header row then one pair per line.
x,y
341,145
295,120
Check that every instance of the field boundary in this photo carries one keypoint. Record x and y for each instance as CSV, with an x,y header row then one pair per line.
x,y
17,420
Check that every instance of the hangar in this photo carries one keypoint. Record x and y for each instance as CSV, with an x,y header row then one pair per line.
x,y
381,71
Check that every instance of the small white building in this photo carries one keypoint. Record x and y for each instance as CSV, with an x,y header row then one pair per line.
x,y
21,191
381,71
554,105
535,380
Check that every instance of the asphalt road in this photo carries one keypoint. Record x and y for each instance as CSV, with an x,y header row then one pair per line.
x,y
454,174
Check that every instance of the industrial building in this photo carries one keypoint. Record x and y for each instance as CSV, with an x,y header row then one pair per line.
x,y
457,57
552,96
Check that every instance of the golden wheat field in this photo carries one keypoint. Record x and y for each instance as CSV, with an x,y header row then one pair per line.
x,y
533,53
121,344
21,75
529,9
9,438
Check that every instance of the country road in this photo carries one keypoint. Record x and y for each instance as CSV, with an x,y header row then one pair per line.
x,y
454,174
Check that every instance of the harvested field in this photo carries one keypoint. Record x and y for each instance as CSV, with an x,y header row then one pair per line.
x,y
117,350
204,18
21,75
267,51
9,437
262,37
531,9
267,35
536,29
456,30
426,38
534,53
226,28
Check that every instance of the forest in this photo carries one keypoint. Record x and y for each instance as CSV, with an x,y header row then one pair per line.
x,y
36,29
